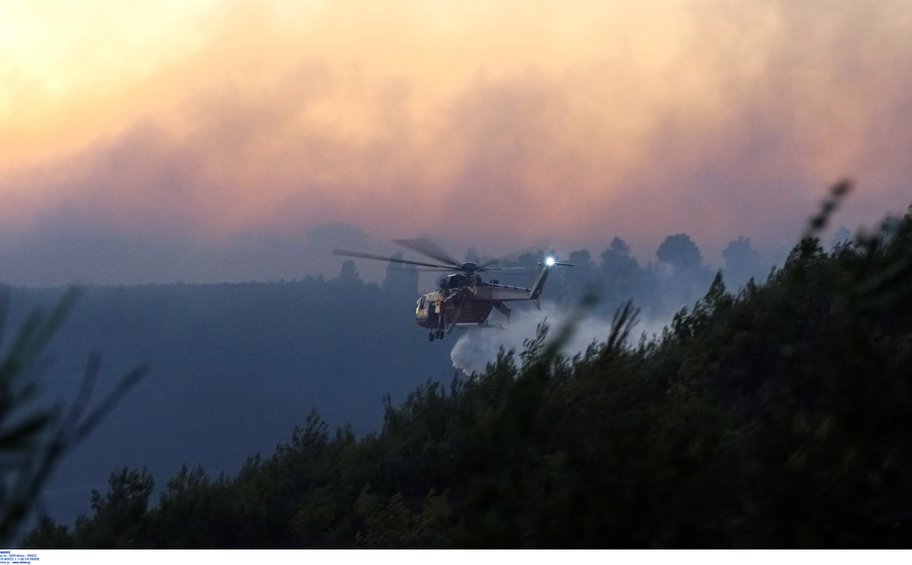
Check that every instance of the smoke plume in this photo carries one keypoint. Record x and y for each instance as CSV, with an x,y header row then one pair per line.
x,y
477,347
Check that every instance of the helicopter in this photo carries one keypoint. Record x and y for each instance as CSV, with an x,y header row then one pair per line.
x,y
462,298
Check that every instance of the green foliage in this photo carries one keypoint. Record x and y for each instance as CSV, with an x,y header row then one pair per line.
x,y
775,417
118,512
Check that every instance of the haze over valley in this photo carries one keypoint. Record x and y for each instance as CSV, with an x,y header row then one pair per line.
x,y
729,179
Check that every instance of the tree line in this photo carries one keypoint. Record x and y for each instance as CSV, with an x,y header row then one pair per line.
x,y
777,415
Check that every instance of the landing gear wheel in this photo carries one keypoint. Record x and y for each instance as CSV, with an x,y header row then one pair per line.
x,y
430,336
440,334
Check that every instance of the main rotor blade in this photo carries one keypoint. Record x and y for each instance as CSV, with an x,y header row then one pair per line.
x,y
361,255
424,270
429,248
512,270
511,257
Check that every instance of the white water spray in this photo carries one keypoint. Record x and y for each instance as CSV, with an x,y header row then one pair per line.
x,y
477,347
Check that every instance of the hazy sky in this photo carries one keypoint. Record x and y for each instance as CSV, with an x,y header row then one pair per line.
x,y
238,140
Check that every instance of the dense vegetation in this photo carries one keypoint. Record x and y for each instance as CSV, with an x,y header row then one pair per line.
x,y
234,366
777,416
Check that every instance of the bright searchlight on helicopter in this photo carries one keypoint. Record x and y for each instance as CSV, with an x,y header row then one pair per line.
x,y
549,261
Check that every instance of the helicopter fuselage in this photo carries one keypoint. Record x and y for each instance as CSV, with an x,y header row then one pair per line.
x,y
466,300
436,311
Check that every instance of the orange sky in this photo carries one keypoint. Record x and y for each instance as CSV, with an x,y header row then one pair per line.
x,y
497,124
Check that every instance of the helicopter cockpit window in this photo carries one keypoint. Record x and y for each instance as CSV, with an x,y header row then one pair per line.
x,y
421,303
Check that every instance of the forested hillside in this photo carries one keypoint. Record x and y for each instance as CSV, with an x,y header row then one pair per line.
x,y
775,416
232,367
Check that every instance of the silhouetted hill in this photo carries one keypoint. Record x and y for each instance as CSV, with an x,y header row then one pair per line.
x,y
776,416
233,367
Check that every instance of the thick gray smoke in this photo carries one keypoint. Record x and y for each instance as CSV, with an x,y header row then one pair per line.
x,y
477,347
